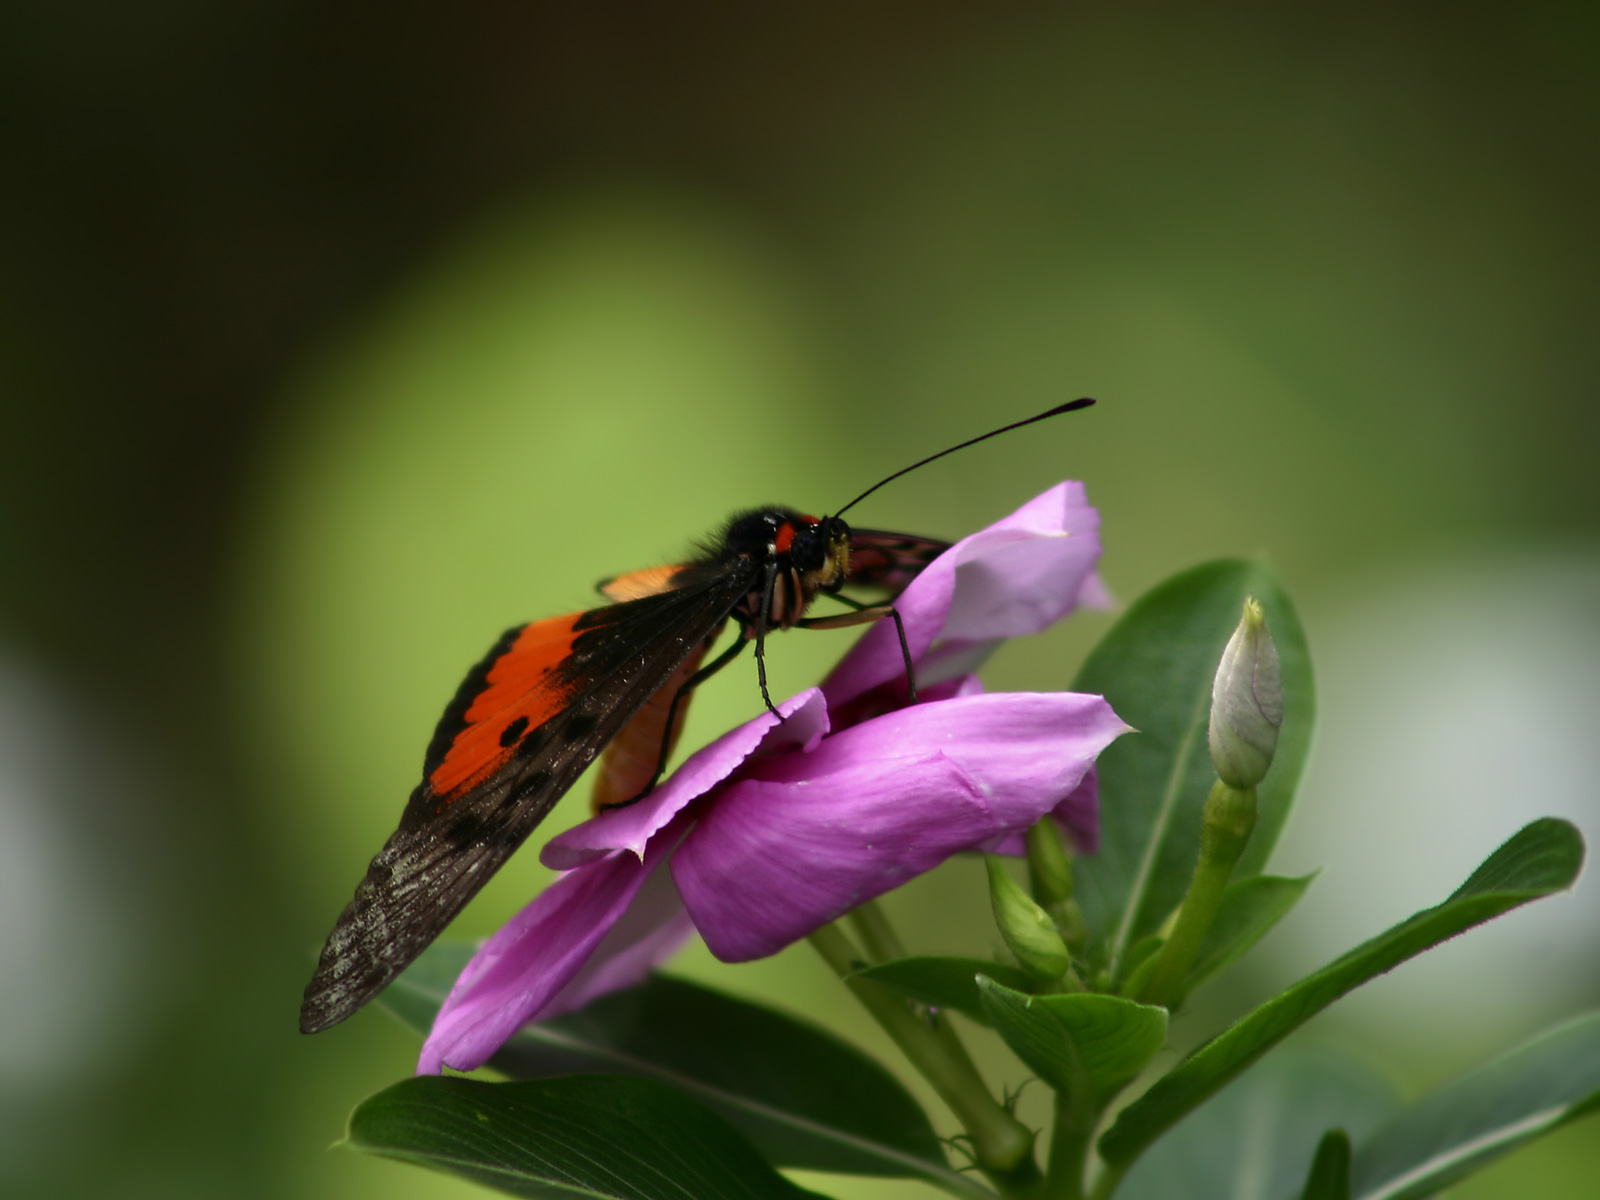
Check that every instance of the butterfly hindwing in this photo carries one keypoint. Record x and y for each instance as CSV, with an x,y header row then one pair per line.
x,y
879,559
651,581
524,725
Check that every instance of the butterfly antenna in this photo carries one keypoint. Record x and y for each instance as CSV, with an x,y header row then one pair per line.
x,y
1070,406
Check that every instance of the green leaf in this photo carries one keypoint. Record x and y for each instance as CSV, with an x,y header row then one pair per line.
x,y
585,1135
1249,908
803,1097
1142,950
1475,1118
1156,668
1258,1137
946,982
1086,1046
1330,1169
1544,857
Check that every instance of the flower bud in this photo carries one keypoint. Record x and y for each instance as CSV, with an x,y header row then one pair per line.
x,y
1246,702
1028,931
1049,868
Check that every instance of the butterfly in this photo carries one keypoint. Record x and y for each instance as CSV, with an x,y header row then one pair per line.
x,y
553,695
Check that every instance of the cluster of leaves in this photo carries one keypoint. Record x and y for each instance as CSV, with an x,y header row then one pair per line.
x,y
671,1089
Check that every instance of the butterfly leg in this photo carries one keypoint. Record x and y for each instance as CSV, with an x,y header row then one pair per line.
x,y
761,640
865,614
678,697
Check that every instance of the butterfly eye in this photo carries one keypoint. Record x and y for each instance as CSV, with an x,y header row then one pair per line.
x,y
809,550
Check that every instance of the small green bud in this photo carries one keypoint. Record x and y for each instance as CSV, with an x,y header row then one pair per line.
x,y
1246,702
1049,868
1028,931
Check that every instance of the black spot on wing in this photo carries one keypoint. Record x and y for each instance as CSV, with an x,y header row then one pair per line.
x,y
580,725
513,731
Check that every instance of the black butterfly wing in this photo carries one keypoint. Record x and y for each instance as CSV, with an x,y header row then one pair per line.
x,y
524,725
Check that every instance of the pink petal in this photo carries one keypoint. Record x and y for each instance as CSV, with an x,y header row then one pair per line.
x,y
891,696
631,828
761,876
805,837
1018,576
519,972
1078,816
653,929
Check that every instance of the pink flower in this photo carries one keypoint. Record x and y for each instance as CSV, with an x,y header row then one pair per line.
x,y
775,829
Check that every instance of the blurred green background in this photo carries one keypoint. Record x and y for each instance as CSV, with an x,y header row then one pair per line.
x,y
336,337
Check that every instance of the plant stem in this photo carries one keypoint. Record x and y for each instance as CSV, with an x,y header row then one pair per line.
x,y
1002,1145
878,938
1106,1185
1069,1150
1229,818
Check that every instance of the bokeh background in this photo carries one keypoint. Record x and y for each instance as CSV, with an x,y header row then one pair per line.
x,y
335,337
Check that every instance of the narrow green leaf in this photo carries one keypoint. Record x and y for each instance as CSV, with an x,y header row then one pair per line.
x,y
1258,1137
1477,1117
1330,1169
1156,668
1142,950
581,1136
1250,907
947,982
803,1097
1086,1046
1544,857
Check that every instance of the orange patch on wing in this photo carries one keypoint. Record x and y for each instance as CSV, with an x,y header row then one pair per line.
x,y
629,763
519,686
636,585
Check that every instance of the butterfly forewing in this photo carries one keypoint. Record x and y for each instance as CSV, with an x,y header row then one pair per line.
x,y
523,726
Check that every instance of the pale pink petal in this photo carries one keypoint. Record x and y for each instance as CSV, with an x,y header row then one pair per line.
x,y
1018,576
763,875
801,838
517,972
1078,817
631,828
651,931
892,696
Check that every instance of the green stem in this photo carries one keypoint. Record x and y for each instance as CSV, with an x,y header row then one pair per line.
x,y
878,938
1002,1145
1069,1147
1229,818
1106,1185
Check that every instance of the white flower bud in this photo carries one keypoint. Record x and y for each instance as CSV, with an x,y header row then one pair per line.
x,y
1246,702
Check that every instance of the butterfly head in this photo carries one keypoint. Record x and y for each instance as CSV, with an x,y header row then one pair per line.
x,y
820,550
813,553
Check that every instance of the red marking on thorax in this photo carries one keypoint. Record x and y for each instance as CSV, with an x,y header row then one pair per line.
x,y
786,532
518,685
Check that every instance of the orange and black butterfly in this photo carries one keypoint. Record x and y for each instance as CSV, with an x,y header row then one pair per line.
x,y
551,695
